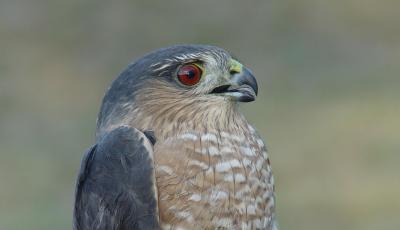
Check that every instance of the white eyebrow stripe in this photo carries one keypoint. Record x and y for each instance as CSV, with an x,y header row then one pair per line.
x,y
161,67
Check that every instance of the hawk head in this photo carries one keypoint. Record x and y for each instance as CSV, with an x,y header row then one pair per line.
x,y
175,88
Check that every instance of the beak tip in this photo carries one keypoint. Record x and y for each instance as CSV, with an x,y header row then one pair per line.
x,y
250,80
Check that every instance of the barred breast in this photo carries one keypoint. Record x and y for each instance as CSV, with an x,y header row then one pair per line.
x,y
215,179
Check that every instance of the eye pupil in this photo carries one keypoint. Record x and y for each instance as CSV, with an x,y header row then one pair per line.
x,y
189,74
192,74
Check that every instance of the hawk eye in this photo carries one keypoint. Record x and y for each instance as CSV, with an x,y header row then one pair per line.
x,y
189,74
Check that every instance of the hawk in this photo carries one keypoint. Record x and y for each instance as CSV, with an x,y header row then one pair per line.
x,y
172,150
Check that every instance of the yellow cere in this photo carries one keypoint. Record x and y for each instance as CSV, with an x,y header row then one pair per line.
x,y
236,66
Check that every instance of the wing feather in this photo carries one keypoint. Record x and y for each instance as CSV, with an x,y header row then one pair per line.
x,y
116,186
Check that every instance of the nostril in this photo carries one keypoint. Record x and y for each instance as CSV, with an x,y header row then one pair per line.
x,y
232,72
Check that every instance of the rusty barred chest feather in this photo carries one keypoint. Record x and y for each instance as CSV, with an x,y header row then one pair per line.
x,y
223,180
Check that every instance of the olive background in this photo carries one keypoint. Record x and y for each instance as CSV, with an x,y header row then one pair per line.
x,y
328,103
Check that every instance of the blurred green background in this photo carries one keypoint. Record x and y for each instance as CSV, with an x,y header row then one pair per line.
x,y
328,104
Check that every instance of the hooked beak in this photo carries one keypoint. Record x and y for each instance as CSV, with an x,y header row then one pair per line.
x,y
242,86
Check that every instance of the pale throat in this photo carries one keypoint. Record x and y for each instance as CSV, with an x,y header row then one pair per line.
x,y
199,116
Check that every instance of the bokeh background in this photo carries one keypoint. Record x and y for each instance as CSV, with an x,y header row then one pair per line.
x,y
328,104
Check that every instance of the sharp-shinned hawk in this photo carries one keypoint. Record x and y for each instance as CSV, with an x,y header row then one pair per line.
x,y
172,150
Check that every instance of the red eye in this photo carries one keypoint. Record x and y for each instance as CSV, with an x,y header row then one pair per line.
x,y
189,74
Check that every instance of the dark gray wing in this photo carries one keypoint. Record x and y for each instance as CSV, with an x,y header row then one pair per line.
x,y
116,186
